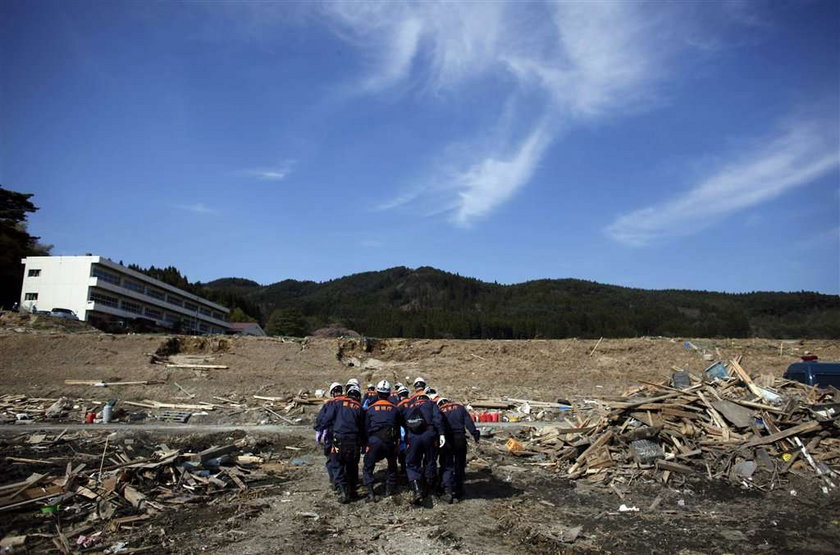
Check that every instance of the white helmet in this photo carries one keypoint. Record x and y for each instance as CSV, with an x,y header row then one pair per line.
x,y
354,381
419,383
354,389
334,386
432,393
383,387
442,401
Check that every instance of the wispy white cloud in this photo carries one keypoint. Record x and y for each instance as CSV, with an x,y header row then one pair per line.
x,y
794,157
493,181
197,208
580,60
276,173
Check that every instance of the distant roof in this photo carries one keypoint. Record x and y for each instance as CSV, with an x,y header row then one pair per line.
x,y
243,325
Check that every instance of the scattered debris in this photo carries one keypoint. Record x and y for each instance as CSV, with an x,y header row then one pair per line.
x,y
720,427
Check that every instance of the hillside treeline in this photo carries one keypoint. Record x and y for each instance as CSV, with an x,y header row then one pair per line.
x,y
429,303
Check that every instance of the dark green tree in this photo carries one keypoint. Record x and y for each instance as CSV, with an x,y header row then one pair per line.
x,y
286,321
239,315
15,243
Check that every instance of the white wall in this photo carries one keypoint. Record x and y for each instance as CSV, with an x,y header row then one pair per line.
x,y
63,282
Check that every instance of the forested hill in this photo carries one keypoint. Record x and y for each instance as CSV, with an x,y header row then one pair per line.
x,y
429,303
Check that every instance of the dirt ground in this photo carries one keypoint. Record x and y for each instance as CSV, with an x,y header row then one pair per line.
x,y
36,362
511,505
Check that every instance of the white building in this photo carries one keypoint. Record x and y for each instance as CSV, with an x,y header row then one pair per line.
x,y
101,291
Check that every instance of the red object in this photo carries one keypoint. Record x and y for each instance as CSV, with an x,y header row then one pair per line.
x,y
807,358
90,417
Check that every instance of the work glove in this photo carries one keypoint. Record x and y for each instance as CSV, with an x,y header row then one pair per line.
x,y
476,437
441,440
319,437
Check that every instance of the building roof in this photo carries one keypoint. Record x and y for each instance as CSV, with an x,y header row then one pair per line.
x,y
243,325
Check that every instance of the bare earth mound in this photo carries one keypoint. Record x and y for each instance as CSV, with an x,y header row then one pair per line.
x,y
512,505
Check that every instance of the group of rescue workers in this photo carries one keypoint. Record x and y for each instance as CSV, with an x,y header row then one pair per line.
x,y
424,431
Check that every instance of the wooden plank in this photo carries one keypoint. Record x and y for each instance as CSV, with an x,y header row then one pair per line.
x,y
490,404
30,496
199,366
753,405
213,452
178,406
643,401
673,467
804,428
35,478
100,383
602,440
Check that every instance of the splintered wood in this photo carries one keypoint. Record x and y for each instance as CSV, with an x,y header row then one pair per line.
x,y
709,428
116,488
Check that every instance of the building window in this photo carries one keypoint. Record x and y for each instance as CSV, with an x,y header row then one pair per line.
x,y
169,317
155,293
174,300
33,273
30,297
156,314
191,307
218,316
107,300
132,307
134,286
206,311
105,276
203,327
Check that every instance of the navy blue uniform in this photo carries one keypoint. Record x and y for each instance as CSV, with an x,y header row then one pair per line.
x,y
345,418
423,423
456,422
382,431
369,398
319,427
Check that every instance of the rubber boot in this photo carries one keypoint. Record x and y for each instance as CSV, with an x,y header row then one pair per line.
x,y
428,487
448,495
343,495
371,496
416,492
437,486
390,490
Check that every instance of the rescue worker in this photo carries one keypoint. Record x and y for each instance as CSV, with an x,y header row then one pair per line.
x,y
324,435
345,418
381,430
432,394
370,396
456,422
424,434
402,395
352,381
395,396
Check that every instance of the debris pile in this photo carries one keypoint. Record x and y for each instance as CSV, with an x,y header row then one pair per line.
x,y
516,410
120,484
21,408
722,425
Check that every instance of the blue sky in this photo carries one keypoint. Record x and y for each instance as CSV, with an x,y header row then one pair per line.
x,y
657,145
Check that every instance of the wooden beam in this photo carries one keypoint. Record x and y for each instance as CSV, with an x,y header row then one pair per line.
x,y
804,428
